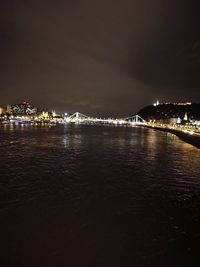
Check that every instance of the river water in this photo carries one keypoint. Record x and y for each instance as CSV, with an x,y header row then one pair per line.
x,y
80,195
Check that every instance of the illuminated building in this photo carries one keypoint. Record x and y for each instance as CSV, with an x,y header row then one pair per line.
x,y
185,117
156,103
175,103
23,109
178,120
5,110
2,110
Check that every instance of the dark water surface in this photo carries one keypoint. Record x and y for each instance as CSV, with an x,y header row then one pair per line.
x,y
98,196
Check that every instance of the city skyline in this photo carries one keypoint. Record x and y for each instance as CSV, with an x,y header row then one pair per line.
x,y
33,109
102,57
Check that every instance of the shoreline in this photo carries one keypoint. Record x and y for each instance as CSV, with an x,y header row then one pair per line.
x,y
188,138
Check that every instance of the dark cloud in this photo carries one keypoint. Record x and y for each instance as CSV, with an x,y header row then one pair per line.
x,y
99,57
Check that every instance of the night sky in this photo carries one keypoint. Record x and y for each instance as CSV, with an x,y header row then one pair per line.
x,y
99,57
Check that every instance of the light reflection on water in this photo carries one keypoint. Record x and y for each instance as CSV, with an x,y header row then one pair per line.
x,y
98,196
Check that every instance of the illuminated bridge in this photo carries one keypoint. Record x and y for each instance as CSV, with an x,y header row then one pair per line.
x,y
81,118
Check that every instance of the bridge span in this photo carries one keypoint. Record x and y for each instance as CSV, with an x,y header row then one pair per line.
x,y
78,117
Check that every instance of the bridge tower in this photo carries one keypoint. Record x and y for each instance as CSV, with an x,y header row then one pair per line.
x,y
137,120
77,115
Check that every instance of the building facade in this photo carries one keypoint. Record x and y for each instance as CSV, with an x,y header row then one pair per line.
x,y
24,108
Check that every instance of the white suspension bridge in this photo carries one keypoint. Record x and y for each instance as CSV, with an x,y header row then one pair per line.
x,y
77,117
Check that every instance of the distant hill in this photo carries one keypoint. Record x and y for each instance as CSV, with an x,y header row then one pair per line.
x,y
167,111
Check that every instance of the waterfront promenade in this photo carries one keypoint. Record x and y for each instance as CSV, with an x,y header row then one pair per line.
x,y
189,134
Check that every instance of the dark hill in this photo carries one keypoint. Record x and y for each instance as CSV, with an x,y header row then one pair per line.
x,y
167,111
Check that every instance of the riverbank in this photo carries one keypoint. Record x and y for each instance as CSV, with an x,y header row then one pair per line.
x,y
192,139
